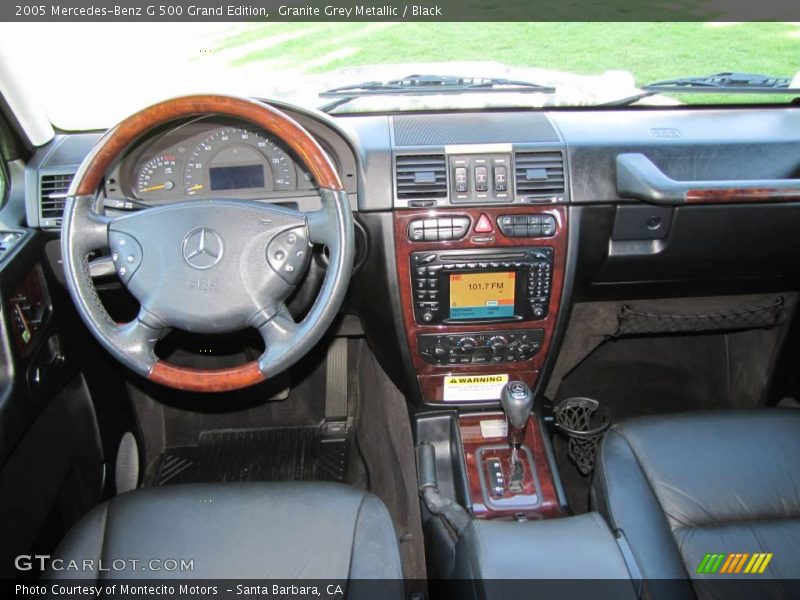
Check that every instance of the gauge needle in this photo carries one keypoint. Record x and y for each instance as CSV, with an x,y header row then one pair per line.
x,y
197,186
153,188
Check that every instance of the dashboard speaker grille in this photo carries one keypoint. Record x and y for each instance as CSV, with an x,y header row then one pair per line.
x,y
52,196
539,173
421,176
486,128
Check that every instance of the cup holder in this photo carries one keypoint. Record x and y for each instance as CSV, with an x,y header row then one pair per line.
x,y
584,423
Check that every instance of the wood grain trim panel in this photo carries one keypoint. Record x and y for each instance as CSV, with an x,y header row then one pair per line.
x,y
200,380
431,377
742,195
472,439
116,140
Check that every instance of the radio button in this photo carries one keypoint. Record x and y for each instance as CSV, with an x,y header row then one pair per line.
x,y
534,230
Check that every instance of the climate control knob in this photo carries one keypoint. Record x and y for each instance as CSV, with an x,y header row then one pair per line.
x,y
498,344
524,349
440,352
467,345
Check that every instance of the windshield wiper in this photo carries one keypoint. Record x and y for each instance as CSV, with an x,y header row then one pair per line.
x,y
430,84
746,83
718,83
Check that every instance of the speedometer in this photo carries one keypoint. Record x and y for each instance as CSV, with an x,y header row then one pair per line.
x,y
157,176
233,160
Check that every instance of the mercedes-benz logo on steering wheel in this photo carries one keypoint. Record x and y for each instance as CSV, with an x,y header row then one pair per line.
x,y
202,248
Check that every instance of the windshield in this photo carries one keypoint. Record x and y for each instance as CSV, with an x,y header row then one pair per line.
x,y
90,75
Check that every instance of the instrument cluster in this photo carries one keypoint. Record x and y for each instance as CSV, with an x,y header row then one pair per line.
x,y
210,158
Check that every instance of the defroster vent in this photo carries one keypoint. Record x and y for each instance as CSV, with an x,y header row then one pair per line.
x,y
52,194
421,176
539,173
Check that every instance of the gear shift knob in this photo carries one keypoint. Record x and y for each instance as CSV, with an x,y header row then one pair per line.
x,y
516,398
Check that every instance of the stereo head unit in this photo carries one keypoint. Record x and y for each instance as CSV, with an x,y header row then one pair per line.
x,y
475,286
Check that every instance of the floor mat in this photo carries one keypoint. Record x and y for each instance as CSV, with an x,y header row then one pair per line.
x,y
643,376
285,454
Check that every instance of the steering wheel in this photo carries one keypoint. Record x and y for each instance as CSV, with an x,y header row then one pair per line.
x,y
211,266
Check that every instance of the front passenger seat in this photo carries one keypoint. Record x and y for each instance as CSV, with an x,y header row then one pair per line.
x,y
288,531
681,487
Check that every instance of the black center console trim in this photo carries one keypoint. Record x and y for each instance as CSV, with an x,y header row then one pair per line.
x,y
480,347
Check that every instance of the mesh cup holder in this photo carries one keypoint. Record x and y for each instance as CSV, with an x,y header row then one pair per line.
x,y
583,424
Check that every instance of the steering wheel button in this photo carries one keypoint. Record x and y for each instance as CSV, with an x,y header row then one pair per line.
x,y
130,258
280,255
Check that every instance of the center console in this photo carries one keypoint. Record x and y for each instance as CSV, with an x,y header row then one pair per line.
x,y
481,247
480,290
481,239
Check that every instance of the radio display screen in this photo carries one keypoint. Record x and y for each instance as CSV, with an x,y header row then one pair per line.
x,y
482,295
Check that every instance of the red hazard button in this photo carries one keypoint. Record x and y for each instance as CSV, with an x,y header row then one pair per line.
x,y
484,224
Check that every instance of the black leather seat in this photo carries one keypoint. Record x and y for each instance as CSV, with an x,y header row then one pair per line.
x,y
289,531
682,486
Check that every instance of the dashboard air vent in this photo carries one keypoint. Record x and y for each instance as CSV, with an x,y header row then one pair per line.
x,y
421,176
53,193
539,173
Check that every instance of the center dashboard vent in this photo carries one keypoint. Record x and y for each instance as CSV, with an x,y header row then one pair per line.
x,y
539,173
421,176
52,197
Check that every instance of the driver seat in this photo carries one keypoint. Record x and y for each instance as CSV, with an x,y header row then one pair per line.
x,y
256,530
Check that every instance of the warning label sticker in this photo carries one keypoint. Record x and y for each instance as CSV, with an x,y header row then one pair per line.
x,y
471,388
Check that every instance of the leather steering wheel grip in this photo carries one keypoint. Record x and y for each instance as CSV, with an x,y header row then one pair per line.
x,y
90,175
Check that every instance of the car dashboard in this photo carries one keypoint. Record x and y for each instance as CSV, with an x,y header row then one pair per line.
x,y
479,232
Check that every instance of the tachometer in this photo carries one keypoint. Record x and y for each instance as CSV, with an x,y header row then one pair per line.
x,y
233,160
157,176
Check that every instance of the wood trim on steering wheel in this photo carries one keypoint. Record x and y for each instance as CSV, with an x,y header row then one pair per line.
x,y
206,380
115,141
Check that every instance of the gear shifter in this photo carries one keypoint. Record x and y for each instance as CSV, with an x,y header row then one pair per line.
x,y
517,402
